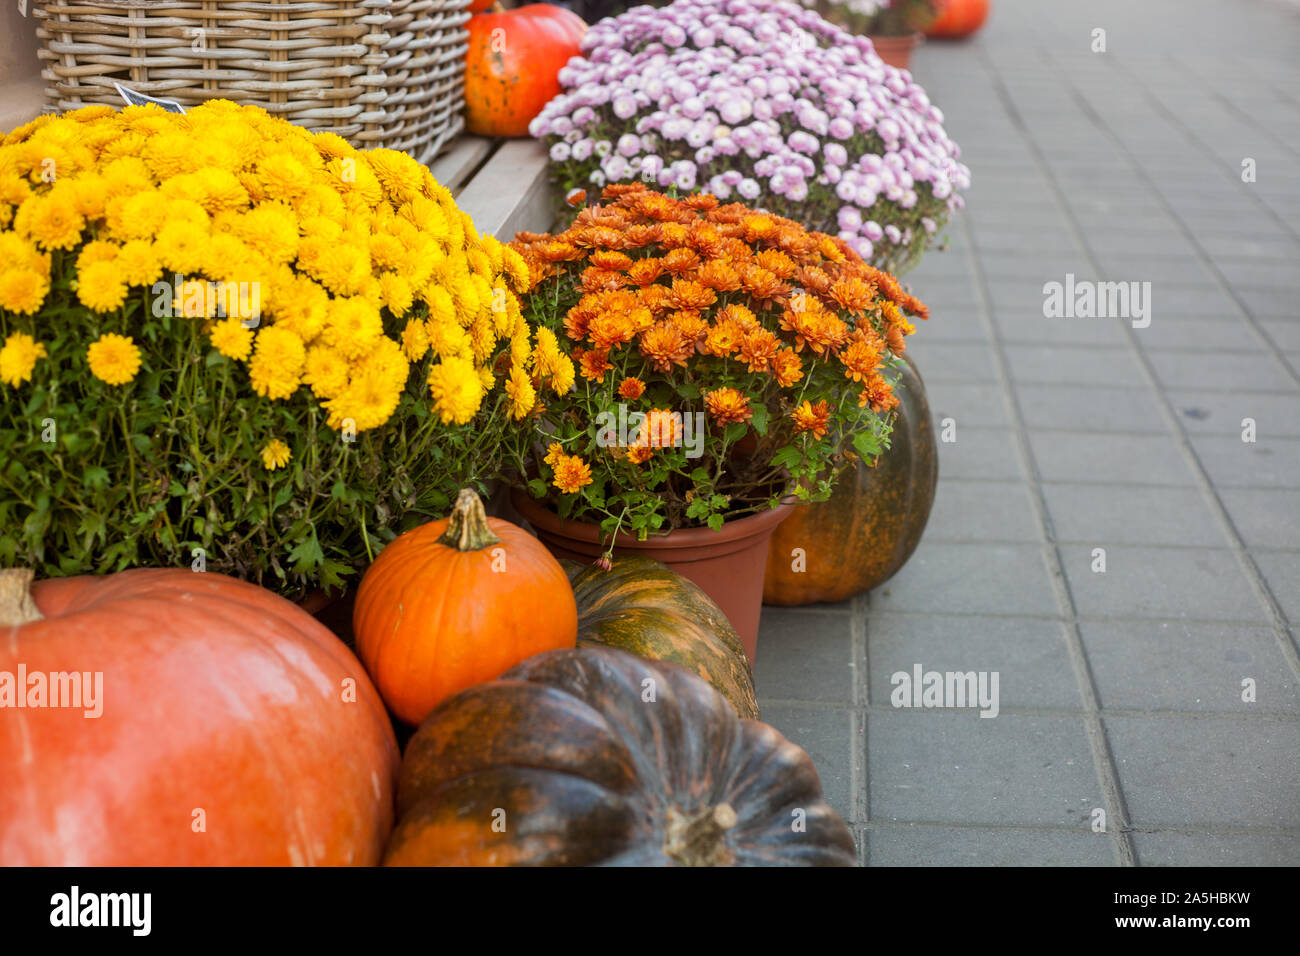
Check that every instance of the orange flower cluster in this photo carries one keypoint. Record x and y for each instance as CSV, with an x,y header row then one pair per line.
x,y
679,278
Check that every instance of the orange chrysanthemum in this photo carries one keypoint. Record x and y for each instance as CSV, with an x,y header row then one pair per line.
x,y
593,363
645,271
719,275
808,417
664,346
727,405
631,389
691,295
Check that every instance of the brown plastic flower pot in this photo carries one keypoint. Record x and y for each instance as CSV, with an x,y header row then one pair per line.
x,y
728,565
897,51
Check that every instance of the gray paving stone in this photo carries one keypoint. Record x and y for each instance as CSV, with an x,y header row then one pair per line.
x,y
957,767
1029,326
1162,584
1204,334
1072,365
1087,408
1030,655
1105,515
1220,371
1183,666
805,655
918,845
1224,771
1169,848
970,404
1281,569
1109,457
1223,413
827,735
948,578
982,511
1265,517
954,361
1284,332
1269,462
978,452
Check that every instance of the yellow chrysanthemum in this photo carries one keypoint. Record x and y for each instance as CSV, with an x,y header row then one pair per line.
x,y
18,358
562,375
113,359
456,389
397,294
22,290
326,371
441,307
140,216
415,340
97,251
368,401
232,339
352,326
271,229
53,221
339,267
520,391
138,263
447,338
181,249
277,363
275,454
100,286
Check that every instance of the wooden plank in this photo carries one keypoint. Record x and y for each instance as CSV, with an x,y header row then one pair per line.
x,y
454,167
511,192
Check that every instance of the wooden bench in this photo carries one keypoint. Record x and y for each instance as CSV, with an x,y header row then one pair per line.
x,y
502,184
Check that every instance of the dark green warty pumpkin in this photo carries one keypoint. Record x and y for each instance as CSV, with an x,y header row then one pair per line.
x,y
595,757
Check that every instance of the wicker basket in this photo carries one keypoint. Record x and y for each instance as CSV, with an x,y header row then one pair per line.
x,y
379,72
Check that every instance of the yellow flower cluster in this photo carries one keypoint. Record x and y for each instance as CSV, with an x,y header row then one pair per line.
x,y
360,264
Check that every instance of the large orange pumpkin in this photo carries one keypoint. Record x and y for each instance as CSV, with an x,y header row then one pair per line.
x,y
227,727
858,538
512,65
456,602
958,18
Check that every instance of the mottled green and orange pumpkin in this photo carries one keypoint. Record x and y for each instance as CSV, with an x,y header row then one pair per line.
x,y
644,607
859,538
596,757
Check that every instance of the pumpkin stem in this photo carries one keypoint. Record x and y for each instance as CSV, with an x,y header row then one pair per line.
x,y
16,604
467,529
700,840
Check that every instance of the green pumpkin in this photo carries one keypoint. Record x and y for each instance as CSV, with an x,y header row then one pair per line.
x,y
645,608
858,538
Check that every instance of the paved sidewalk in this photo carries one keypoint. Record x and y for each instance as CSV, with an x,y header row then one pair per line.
x,y
1120,690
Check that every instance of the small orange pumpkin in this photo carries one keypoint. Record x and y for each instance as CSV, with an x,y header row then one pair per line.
x,y
513,64
958,19
457,602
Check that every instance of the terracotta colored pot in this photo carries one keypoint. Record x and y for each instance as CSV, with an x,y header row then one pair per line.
x,y
958,19
728,564
897,51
